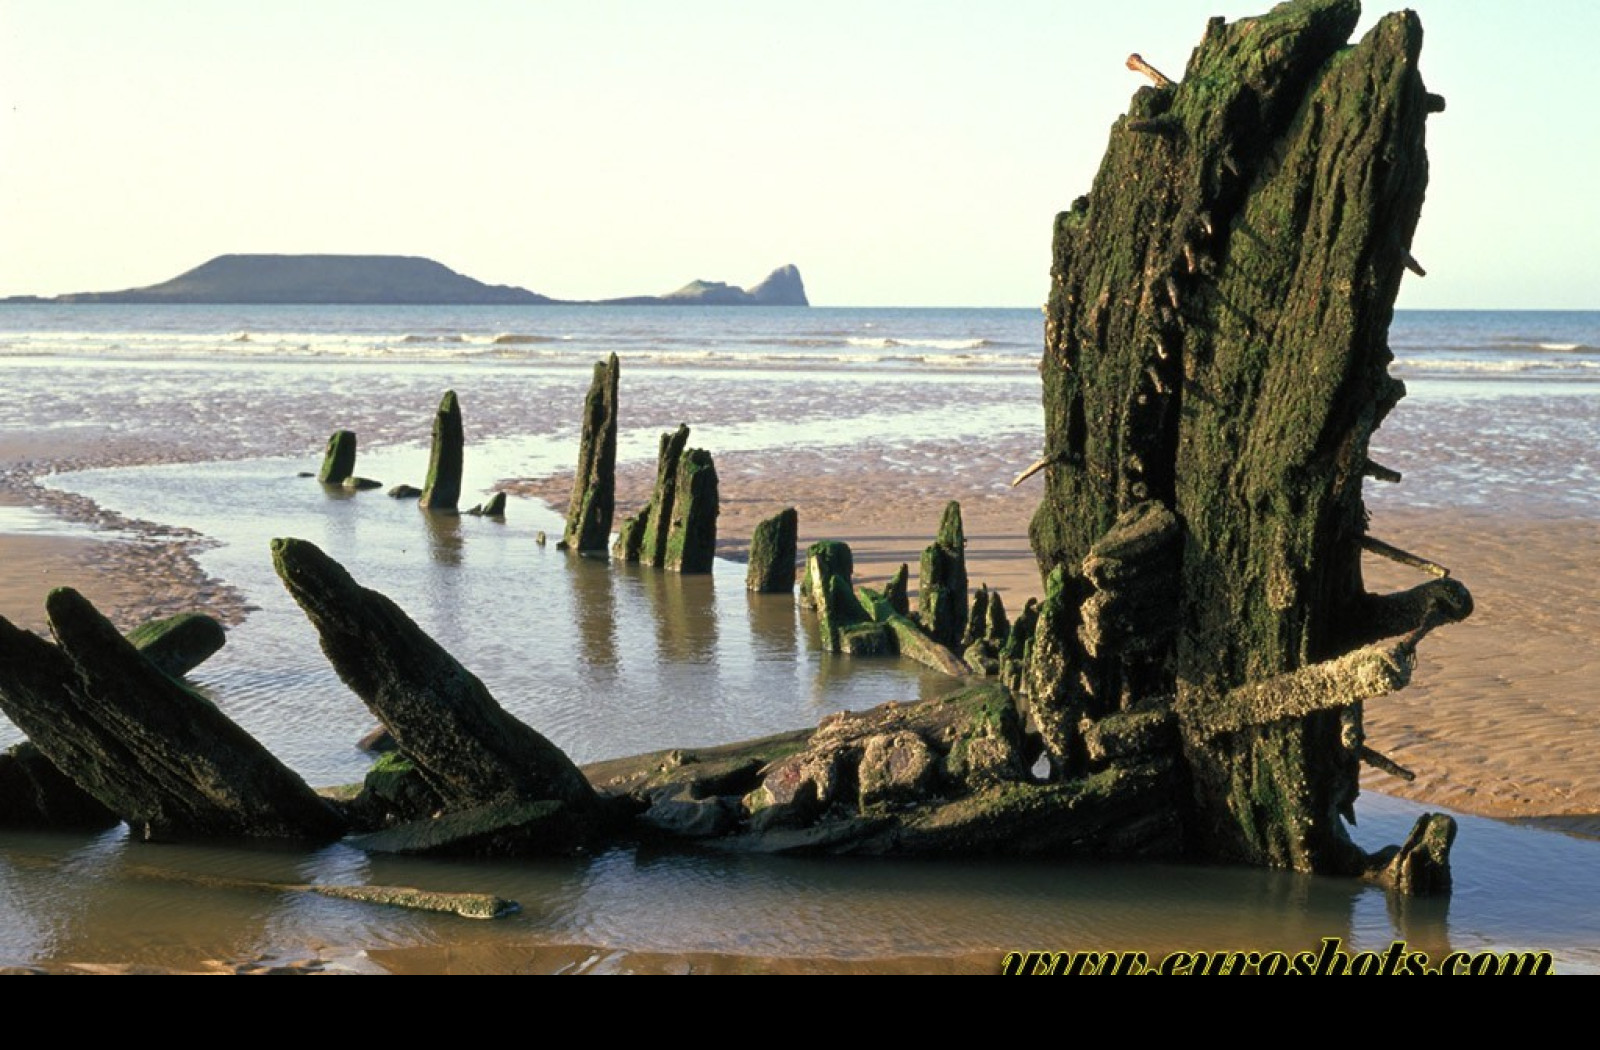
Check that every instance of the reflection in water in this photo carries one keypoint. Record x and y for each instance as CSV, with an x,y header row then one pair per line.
x,y
444,536
1422,922
337,493
685,611
594,606
774,627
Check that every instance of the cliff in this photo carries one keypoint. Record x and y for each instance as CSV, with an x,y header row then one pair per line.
x,y
782,287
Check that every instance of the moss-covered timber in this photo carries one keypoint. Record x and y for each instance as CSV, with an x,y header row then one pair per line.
x,y
942,588
595,484
178,644
656,519
942,776
692,533
1216,346
1215,365
339,461
467,748
442,490
162,758
773,546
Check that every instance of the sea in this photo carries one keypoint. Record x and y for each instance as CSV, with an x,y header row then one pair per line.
x,y
209,414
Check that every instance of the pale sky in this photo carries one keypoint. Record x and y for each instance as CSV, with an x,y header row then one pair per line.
x,y
898,153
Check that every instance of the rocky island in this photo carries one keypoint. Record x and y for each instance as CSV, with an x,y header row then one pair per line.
x,y
402,280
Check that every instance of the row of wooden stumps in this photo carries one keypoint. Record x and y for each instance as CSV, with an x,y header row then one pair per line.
x,y
677,530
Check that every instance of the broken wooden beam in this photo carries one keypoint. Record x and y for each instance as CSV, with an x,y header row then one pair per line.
x,y
1368,672
464,744
1380,761
158,755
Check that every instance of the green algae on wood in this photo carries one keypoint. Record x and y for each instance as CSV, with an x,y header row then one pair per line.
x,y
828,571
692,536
942,601
493,507
773,546
339,462
594,486
178,644
1216,348
442,490
1215,365
657,517
630,537
165,760
897,591
468,748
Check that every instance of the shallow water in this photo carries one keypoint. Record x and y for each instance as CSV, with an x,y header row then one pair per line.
x,y
74,899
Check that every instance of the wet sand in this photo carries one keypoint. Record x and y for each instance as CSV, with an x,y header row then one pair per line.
x,y
132,571
1502,717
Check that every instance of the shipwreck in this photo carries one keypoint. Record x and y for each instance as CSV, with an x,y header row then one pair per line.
x,y
1191,682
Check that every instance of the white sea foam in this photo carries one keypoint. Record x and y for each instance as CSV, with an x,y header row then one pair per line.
x,y
1497,366
889,342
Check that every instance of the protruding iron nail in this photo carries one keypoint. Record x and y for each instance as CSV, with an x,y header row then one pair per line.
x,y
1139,65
